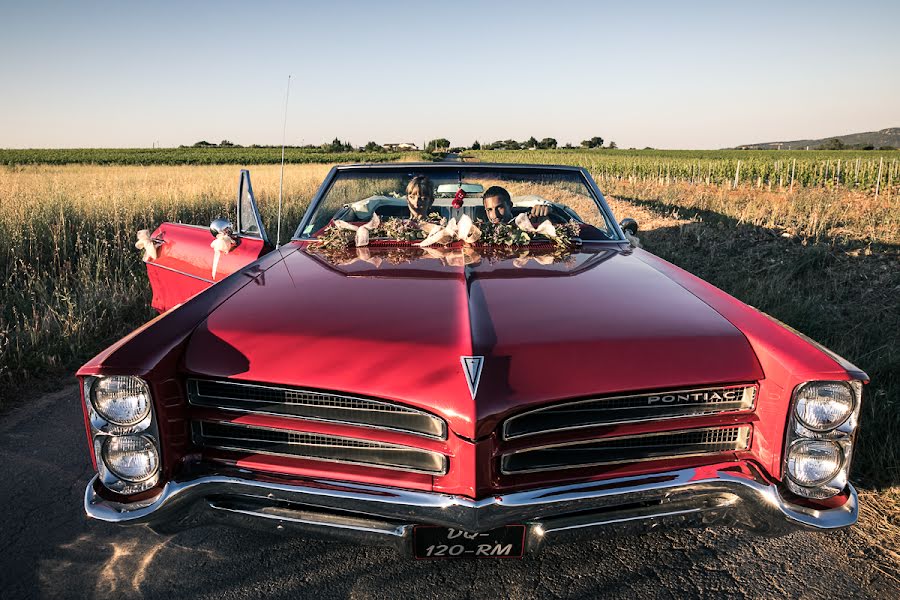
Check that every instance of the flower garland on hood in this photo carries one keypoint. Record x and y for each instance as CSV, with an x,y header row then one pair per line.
x,y
436,231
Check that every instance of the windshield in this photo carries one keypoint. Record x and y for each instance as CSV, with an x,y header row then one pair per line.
x,y
387,201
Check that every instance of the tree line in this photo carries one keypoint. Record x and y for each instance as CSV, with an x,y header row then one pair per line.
x,y
532,143
435,145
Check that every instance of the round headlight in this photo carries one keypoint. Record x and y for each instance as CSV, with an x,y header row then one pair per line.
x,y
121,400
814,462
822,406
131,458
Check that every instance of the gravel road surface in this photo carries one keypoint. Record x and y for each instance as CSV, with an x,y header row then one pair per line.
x,y
49,550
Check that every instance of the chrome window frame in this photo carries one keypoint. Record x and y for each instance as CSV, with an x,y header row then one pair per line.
x,y
254,206
428,168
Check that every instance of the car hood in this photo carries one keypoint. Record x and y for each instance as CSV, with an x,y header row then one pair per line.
x,y
394,323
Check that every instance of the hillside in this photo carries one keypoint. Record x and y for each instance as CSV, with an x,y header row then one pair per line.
x,y
877,139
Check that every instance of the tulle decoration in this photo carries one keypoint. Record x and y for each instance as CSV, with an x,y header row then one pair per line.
x,y
221,245
362,231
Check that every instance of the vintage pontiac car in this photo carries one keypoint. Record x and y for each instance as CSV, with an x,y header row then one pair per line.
x,y
407,371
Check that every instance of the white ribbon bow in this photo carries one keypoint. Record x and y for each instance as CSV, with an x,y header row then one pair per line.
x,y
545,229
221,245
464,230
362,231
145,242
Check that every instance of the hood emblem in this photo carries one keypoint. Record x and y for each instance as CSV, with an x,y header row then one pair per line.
x,y
472,370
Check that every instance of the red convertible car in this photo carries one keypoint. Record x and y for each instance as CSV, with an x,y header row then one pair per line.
x,y
460,360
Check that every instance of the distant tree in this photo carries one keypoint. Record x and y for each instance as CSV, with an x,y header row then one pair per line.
x,y
225,144
440,144
886,148
373,147
505,145
337,145
547,144
832,144
612,146
568,145
203,144
476,145
531,143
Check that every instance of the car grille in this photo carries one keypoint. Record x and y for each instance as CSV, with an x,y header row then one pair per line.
x,y
314,405
316,446
649,406
670,444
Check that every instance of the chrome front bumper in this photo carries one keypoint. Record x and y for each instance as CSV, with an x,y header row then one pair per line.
x,y
731,494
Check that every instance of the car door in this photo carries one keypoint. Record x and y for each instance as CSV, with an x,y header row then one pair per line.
x,y
184,262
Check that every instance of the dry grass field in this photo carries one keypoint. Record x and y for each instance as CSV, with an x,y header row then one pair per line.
x,y
72,279
825,260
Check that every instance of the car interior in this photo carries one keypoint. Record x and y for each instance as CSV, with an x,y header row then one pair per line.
x,y
389,206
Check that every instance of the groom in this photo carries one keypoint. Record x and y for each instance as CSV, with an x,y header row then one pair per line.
x,y
499,209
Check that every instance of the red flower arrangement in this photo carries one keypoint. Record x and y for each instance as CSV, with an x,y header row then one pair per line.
x,y
458,198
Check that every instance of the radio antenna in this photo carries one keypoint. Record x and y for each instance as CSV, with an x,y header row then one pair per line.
x,y
281,182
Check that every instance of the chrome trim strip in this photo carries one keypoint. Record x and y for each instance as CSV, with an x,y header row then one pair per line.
x,y
322,520
563,405
852,370
199,440
179,272
741,443
442,424
726,496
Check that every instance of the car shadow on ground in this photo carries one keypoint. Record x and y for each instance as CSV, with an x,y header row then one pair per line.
x,y
843,294
219,562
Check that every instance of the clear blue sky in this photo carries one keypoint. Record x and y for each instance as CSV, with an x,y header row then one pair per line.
x,y
663,74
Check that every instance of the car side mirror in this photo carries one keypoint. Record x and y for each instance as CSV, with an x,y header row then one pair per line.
x,y
225,226
630,226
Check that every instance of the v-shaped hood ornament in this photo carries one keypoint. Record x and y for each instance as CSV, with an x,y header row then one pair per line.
x,y
472,370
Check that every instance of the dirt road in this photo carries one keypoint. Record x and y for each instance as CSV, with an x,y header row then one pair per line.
x,y
48,549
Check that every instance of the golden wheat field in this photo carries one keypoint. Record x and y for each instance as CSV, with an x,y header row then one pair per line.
x,y
72,281
824,261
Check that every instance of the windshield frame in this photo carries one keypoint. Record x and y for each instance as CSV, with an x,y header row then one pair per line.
x,y
451,168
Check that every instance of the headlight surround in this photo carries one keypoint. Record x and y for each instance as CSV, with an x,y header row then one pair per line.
x,y
812,463
123,432
130,458
824,405
819,440
122,400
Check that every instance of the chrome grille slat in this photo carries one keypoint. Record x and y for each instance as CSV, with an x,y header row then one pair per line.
x,y
297,444
649,446
631,408
315,406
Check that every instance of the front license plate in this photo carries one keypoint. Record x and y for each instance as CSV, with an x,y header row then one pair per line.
x,y
445,542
